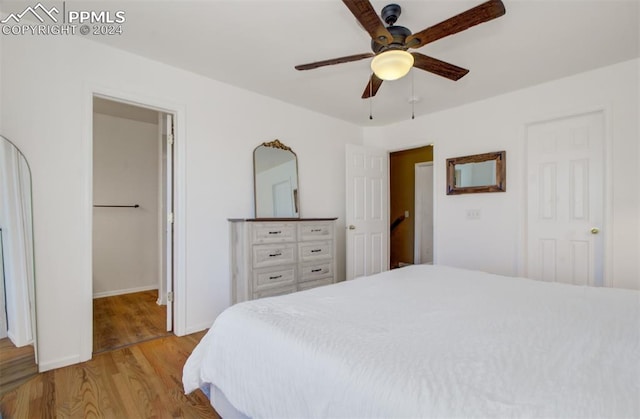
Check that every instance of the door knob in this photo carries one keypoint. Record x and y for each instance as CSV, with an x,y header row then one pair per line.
x,y
595,230
352,227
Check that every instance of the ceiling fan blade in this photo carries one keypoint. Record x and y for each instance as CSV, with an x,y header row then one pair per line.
x,y
333,61
372,87
435,66
368,18
474,16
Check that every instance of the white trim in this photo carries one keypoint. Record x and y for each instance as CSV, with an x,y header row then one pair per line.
x,y
180,224
607,204
124,291
17,342
178,110
194,328
86,259
436,201
161,214
607,113
59,363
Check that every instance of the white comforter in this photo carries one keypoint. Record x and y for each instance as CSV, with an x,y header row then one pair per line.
x,y
427,341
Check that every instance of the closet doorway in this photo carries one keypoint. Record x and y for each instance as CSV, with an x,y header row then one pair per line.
x,y
411,206
132,249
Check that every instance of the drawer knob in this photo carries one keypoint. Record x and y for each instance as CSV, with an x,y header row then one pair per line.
x,y
316,270
275,232
275,277
352,227
316,250
272,255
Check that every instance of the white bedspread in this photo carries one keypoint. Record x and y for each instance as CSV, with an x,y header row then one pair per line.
x,y
428,341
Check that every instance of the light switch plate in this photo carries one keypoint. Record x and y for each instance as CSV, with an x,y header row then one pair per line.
x,y
473,214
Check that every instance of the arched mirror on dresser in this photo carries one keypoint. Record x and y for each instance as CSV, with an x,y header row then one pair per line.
x,y
278,252
17,269
275,180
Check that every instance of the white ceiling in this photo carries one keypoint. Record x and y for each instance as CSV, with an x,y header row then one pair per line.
x,y
256,44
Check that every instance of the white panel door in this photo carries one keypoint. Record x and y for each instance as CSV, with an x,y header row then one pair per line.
x,y
367,208
423,247
565,169
282,199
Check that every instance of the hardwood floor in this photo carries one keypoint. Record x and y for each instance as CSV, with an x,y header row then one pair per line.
x,y
138,381
126,319
16,365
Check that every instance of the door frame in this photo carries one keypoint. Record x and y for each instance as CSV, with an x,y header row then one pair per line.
x,y
607,204
179,179
165,212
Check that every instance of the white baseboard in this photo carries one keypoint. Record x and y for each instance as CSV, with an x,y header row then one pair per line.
x,y
124,291
196,328
58,363
17,342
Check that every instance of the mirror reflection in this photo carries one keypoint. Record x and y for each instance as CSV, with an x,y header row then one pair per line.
x,y
275,181
17,314
477,173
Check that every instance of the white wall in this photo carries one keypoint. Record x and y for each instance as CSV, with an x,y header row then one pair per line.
x,y
126,244
495,242
46,88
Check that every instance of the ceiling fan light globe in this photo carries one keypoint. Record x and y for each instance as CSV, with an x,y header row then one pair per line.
x,y
392,65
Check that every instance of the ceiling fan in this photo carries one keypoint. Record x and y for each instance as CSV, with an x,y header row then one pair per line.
x,y
390,44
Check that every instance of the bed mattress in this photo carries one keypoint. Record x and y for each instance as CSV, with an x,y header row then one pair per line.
x,y
428,341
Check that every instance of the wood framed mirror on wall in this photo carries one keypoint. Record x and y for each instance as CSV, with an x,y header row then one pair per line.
x,y
477,173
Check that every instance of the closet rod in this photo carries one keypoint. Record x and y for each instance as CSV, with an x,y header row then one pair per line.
x,y
117,206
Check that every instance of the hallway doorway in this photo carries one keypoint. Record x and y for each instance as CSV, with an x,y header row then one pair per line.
x,y
410,208
132,249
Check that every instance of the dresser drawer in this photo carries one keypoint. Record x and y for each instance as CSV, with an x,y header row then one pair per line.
x,y
311,251
312,284
270,257
315,231
273,254
272,292
318,270
273,232
272,277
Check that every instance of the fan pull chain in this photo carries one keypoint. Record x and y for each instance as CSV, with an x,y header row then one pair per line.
x,y
370,98
413,96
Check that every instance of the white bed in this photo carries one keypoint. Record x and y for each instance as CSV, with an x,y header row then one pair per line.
x,y
426,341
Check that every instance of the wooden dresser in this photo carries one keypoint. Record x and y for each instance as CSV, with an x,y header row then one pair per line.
x,y
280,256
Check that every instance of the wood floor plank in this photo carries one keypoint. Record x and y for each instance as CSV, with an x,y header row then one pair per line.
x,y
139,381
125,319
16,365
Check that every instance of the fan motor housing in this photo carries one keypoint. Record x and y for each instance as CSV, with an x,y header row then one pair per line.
x,y
390,13
399,34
